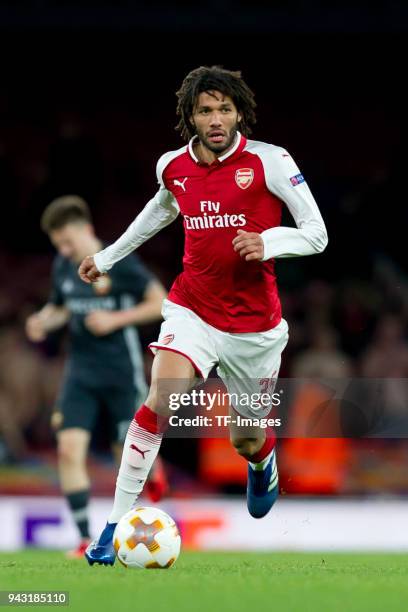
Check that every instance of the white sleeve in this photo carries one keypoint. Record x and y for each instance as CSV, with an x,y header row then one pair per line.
x,y
159,212
284,179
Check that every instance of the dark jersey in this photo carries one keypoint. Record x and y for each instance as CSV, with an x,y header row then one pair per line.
x,y
115,358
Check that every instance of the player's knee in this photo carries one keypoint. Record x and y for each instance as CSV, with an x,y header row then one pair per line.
x,y
68,452
66,455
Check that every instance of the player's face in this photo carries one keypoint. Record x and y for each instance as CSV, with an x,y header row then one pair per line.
x,y
72,241
216,120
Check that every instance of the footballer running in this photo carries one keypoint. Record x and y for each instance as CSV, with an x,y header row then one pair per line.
x,y
223,310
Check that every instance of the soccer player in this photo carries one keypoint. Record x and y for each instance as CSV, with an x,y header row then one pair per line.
x,y
223,310
105,364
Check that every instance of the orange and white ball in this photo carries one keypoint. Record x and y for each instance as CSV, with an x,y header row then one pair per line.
x,y
147,538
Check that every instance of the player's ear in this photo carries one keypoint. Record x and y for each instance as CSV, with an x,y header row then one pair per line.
x,y
239,117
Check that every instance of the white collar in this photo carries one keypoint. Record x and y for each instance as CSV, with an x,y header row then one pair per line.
x,y
238,139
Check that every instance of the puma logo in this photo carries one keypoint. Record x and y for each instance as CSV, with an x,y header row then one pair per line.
x,y
134,447
180,183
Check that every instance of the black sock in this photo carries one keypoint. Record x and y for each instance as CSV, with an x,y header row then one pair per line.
x,y
78,502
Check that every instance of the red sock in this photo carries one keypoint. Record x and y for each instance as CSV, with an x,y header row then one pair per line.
x,y
265,449
140,450
149,420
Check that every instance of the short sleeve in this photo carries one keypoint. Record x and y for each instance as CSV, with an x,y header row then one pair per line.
x,y
56,297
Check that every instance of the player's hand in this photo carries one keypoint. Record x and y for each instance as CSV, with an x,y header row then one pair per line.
x,y
249,245
34,328
87,271
101,322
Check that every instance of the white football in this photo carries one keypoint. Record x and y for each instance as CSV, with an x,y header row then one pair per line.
x,y
146,538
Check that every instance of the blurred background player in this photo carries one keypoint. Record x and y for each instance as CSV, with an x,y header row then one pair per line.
x,y
224,309
105,365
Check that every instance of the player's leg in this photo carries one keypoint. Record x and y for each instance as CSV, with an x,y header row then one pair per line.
x,y
142,445
157,484
257,446
249,366
171,373
121,402
72,449
183,352
247,441
74,420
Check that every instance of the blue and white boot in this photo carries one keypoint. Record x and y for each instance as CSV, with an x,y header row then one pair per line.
x,y
263,486
101,550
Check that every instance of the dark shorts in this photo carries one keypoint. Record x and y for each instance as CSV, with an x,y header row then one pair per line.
x,y
82,405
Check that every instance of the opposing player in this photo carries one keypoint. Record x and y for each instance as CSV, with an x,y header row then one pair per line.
x,y
224,308
105,364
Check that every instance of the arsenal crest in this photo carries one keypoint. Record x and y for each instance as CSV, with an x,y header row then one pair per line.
x,y
244,177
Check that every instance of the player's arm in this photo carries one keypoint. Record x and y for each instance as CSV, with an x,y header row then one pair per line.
x,y
159,212
54,314
50,318
102,322
283,179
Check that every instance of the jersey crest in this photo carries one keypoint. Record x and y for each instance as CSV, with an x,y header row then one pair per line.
x,y
244,177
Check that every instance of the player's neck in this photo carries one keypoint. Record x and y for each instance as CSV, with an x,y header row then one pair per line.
x,y
207,156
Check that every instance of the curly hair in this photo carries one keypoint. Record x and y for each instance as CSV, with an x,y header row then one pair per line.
x,y
214,78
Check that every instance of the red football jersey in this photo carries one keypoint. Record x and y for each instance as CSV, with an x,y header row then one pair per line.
x,y
243,189
215,201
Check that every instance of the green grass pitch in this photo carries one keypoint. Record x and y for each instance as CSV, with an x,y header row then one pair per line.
x,y
220,582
